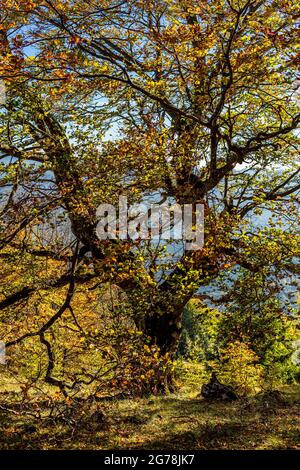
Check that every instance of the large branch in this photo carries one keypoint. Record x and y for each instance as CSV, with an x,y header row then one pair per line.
x,y
27,291
41,331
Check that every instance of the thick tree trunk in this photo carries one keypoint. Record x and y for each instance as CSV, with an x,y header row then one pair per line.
x,y
165,330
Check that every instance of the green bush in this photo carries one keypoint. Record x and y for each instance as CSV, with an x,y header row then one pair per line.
x,y
239,367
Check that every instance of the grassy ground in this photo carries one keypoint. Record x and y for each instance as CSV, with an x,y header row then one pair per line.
x,y
178,421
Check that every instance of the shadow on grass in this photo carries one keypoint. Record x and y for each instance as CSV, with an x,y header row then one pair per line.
x,y
162,423
206,437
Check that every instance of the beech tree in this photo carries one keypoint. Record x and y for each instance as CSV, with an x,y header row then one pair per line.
x,y
194,101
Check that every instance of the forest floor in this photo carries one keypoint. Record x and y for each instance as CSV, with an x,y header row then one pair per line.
x,y
177,421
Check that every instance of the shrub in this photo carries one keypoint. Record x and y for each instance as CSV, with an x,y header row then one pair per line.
x,y
239,367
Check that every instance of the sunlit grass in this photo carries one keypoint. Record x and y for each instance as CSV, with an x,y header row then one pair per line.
x,y
182,420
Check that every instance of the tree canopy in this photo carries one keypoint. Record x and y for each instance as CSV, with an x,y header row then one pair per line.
x,y
182,100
